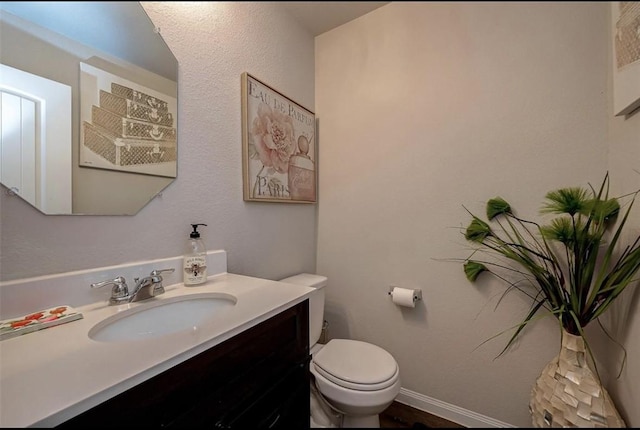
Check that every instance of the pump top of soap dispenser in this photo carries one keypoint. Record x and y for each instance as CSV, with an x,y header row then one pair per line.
x,y
195,234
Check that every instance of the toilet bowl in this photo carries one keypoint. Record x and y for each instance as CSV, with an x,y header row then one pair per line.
x,y
356,380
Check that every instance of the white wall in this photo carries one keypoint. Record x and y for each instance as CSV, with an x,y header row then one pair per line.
x,y
214,43
428,106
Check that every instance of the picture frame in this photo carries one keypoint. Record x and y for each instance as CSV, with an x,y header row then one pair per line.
x,y
125,126
625,16
279,146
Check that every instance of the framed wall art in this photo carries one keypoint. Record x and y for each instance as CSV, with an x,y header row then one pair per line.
x,y
625,26
126,126
279,146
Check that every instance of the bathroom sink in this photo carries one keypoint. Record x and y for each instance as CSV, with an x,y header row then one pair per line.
x,y
163,316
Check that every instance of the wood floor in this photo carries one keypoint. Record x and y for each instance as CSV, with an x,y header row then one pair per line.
x,y
399,415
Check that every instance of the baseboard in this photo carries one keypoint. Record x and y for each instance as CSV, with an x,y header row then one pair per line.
x,y
447,411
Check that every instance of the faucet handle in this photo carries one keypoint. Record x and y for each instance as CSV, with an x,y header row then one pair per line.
x,y
120,290
158,272
155,274
154,282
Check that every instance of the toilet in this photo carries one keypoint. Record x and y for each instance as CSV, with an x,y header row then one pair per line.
x,y
352,381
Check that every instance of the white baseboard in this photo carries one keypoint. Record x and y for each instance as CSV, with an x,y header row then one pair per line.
x,y
447,411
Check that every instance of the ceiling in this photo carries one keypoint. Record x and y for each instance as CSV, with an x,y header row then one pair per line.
x,y
321,16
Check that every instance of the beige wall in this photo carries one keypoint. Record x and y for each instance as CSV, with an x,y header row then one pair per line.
x,y
428,106
214,43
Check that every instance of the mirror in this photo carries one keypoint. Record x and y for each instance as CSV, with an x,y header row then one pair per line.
x,y
89,107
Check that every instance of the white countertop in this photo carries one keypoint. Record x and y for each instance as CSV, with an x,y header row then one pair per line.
x,y
51,375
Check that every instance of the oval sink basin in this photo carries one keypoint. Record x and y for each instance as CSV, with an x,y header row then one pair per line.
x,y
161,317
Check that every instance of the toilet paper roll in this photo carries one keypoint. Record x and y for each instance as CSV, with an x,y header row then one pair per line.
x,y
403,297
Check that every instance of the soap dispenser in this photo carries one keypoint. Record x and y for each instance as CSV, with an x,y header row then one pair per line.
x,y
195,259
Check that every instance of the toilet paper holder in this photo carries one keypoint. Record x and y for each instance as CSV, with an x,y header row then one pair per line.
x,y
417,293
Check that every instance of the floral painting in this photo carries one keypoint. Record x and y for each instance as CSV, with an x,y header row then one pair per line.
x,y
279,146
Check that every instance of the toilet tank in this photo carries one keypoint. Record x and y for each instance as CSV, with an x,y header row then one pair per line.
x,y
316,302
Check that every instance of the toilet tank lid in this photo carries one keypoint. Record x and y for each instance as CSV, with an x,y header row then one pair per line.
x,y
307,279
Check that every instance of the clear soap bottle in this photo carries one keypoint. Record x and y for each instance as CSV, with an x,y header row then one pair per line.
x,y
195,259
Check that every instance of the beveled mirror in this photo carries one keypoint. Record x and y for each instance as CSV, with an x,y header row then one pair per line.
x,y
89,107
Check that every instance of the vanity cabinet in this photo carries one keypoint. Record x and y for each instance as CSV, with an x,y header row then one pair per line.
x,y
256,379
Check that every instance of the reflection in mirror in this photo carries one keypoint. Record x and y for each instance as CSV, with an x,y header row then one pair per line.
x,y
89,107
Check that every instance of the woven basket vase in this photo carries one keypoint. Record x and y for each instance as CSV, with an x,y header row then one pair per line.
x,y
568,394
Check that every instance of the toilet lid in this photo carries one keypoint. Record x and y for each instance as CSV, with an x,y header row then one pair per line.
x,y
356,365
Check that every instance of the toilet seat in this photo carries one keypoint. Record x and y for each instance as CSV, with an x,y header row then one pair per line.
x,y
356,365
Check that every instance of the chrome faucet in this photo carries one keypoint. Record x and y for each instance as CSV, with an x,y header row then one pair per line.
x,y
147,287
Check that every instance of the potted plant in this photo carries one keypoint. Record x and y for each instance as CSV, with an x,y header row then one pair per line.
x,y
573,267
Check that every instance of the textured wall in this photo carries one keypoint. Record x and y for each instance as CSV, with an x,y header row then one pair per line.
x,y
426,107
214,43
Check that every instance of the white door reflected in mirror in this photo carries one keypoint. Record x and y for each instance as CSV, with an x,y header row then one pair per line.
x,y
35,139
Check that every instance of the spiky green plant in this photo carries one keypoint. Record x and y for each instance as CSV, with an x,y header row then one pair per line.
x,y
573,267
